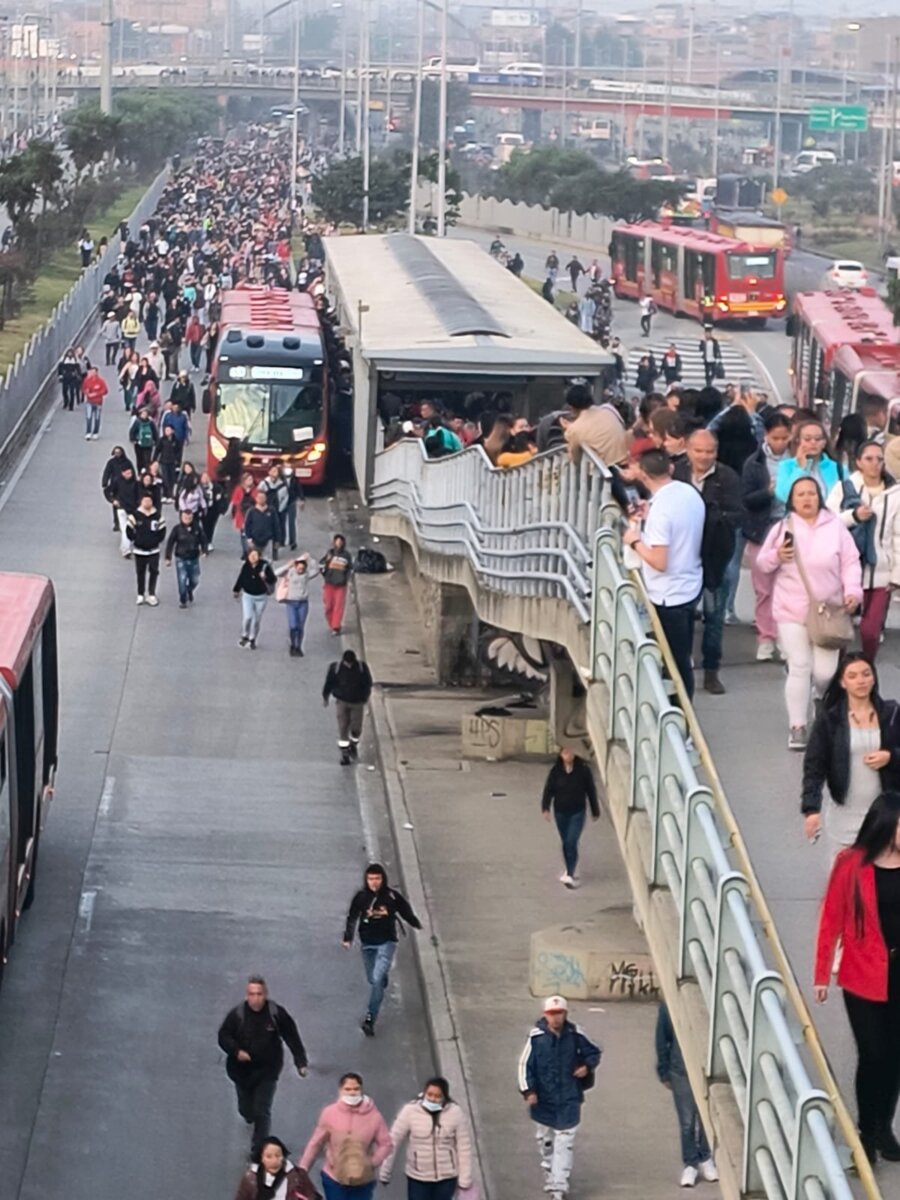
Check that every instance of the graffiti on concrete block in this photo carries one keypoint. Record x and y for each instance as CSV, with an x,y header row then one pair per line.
x,y
513,658
483,733
560,970
630,979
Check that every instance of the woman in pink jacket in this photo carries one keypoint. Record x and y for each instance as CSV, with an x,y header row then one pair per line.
x,y
831,562
356,1141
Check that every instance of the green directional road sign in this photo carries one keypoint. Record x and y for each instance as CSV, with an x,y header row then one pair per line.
x,y
845,118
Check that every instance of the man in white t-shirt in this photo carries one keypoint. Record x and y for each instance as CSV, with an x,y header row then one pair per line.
x,y
669,549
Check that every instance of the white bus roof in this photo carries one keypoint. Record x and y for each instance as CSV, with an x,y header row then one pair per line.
x,y
444,306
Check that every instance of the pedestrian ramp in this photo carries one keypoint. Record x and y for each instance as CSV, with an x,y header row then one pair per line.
x,y
538,551
738,368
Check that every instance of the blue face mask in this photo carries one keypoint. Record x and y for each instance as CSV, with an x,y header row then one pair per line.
x,y
432,1106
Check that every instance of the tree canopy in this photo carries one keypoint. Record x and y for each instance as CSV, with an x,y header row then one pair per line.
x,y
145,130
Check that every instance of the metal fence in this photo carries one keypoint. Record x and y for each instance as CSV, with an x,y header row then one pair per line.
x,y
35,365
548,529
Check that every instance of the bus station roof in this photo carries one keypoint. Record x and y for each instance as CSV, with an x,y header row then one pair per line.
x,y
444,306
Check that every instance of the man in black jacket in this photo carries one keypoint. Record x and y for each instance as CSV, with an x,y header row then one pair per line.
x,y
251,1036
720,488
261,526
350,682
187,541
374,911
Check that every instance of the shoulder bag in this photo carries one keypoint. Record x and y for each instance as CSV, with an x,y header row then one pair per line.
x,y
281,589
828,625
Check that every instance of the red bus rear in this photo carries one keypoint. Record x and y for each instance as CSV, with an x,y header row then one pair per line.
x,y
845,350
29,718
269,386
700,274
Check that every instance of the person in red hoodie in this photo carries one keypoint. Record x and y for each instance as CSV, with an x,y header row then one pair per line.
x,y
861,910
94,390
356,1141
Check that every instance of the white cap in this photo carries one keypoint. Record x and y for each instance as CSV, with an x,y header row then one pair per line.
x,y
556,1004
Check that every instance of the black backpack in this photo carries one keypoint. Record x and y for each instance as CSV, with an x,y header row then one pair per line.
x,y
370,562
717,546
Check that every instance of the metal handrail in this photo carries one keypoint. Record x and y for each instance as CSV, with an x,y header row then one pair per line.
x,y
697,849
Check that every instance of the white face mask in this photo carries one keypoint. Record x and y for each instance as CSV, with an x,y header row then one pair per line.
x,y
432,1106
352,1100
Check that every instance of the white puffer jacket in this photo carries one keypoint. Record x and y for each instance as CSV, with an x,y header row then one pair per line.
x,y
439,1147
886,507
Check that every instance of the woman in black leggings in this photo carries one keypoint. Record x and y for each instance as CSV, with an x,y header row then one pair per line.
x,y
861,909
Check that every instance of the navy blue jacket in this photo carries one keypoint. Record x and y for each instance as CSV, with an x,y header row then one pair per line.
x,y
547,1067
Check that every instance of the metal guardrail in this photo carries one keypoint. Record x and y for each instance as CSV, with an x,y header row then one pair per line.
x,y
35,365
548,529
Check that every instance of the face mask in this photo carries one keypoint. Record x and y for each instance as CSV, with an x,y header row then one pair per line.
x,y
432,1106
352,1100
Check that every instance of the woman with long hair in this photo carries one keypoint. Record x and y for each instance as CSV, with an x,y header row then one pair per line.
x,y
809,554
355,1140
569,791
861,910
272,1176
811,458
854,748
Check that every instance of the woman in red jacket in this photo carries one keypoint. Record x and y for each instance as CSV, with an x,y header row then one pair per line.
x,y
861,910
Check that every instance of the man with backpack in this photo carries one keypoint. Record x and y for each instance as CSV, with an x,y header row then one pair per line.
x,y
556,1068
720,488
143,435
251,1037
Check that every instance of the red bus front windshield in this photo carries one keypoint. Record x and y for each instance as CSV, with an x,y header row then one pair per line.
x,y
759,266
271,414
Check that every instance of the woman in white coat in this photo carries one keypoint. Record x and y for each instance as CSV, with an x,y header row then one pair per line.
x,y
439,1154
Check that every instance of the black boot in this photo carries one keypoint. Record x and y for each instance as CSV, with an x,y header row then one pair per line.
x,y
887,1144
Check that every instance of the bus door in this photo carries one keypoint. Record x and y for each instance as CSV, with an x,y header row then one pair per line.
x,y
7,826
28,706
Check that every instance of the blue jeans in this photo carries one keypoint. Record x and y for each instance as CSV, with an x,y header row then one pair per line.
x,y
570,826
377,962
297,612
92,418
733,572
714,602
694,1146
291,530
187,571
346,1191
252,608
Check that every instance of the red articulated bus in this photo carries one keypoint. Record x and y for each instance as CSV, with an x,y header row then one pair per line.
x,y
269,385
29,718
845,348
700,274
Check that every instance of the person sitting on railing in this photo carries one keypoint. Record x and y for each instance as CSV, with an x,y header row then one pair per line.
x,y
597,427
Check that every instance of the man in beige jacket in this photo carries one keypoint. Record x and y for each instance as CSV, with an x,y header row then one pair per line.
x,y
597,427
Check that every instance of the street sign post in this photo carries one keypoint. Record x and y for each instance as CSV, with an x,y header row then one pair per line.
x,y
844,118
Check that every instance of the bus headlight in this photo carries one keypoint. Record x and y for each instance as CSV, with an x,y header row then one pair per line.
x,y
722,305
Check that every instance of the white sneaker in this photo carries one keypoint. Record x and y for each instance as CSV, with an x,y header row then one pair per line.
x,y
87,437
574,882
95,437
688,1176
708,1171
140,600
797,738
152,601
765,650
566,878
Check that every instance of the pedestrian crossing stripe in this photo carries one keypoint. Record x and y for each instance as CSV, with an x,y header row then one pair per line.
x,y
693,375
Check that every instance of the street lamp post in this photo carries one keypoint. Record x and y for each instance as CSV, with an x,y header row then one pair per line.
x,y
106,24
342,126
295,135
360,67
367,157
442,130
417,118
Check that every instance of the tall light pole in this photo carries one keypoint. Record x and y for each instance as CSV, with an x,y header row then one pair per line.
x,y
442,130
776,140
106,24
295,135
367,156
417,117
361,66
715,153
342,126
892,142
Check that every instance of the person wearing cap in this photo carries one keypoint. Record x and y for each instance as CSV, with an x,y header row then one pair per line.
x,y
556,1068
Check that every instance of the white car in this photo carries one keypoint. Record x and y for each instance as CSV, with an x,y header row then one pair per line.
x,y
846,273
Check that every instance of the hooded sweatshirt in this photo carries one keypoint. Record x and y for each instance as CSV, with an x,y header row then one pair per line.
x,y
375,913
362,1122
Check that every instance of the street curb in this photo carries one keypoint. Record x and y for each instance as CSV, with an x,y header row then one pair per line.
x,y
447,1050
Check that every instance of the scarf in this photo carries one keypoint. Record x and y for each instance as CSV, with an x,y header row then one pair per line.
x,y
268,1191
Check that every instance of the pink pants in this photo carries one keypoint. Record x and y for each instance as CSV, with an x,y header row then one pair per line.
x,y
763,584
874,612
334,599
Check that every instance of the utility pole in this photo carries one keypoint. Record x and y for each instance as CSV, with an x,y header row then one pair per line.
x,y
360,68
776,140
715,148
342,126
295,56
106,24
417,117
577,63
364,116
564,115
892,144
885,172
689,66
442,130
667,108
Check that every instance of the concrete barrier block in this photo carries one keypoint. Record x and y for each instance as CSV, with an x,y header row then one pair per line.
x,y
499,737
604,958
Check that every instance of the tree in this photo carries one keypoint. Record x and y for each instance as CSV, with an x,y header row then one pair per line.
x,y
153,125
90,135
531,177
338,191
428,169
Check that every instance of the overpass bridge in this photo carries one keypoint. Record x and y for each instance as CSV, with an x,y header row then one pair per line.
x,y
536,550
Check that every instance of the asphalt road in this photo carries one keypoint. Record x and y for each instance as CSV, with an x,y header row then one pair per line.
x,y
202,830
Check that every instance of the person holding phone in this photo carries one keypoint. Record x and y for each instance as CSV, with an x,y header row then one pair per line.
x,y
810,459
854,748
809,532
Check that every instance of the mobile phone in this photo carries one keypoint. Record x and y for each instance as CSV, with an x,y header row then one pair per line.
x,y
788,538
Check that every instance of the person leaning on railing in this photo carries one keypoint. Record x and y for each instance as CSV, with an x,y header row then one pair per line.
x,y
596,427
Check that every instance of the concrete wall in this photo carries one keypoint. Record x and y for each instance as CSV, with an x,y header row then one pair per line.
x,y
528,220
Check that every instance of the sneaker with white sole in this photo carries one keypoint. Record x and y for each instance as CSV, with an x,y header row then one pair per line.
x,y
765,650
566,879
140,599
797,738
151,600
688,1176
708,1171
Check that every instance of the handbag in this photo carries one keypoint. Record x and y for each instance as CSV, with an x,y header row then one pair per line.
x,y
828,625
281,589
